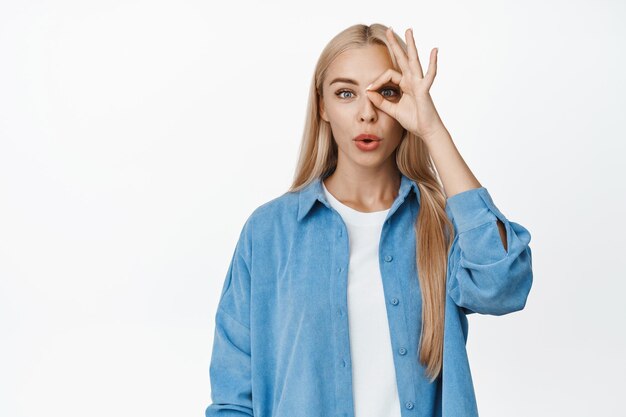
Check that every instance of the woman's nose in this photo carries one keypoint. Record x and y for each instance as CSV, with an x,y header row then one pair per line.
x,y
368,111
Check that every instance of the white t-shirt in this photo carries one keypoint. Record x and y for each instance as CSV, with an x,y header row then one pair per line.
x,y
375,388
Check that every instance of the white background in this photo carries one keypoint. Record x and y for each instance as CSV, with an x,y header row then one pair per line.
x,y
137,136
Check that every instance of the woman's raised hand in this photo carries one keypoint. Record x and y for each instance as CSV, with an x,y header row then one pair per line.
x,y
415,110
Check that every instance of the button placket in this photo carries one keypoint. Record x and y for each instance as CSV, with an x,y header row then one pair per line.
x,y
395,302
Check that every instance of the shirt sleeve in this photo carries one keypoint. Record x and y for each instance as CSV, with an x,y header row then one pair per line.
x,y
484,277
230,368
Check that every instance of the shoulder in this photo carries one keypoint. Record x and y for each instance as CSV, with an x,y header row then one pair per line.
x,y
275,214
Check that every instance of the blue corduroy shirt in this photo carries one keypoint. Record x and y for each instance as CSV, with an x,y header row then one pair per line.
x,y
281,346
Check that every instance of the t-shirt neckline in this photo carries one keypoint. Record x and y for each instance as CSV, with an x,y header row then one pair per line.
x,y
354,216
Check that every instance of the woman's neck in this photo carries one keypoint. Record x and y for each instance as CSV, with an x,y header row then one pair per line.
x,y
363,192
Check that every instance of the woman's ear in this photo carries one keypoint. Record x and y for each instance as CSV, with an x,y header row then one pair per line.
x,y
321,109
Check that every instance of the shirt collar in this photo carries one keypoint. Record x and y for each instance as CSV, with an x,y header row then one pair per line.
x,y
314,192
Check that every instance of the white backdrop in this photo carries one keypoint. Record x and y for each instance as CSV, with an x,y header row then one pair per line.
x,y
137,136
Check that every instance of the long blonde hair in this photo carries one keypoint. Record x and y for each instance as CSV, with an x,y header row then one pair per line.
x,y
433,230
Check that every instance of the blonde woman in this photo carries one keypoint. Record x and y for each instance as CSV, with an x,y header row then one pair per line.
x,y
348,295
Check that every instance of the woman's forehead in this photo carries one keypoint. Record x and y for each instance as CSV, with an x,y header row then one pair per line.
x,y
358,64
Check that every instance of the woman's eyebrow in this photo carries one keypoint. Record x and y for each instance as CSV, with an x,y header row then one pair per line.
x,y
344,80
351,81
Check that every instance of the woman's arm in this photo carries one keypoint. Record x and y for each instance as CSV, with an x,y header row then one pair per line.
x,y
483,276
230,369
455,175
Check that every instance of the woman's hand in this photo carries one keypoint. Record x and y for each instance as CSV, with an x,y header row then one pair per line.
x,y
415,110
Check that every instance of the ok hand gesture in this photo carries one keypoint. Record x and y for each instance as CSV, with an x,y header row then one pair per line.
x,y
415,110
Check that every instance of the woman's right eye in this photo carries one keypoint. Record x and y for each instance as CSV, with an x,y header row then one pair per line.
x,y
341,92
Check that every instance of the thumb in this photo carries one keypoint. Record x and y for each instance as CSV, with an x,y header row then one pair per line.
x,y
380,102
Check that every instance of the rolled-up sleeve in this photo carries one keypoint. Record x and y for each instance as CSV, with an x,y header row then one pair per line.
x,y
483,277
230,368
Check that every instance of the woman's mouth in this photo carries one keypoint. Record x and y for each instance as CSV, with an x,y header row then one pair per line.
x,y
367,144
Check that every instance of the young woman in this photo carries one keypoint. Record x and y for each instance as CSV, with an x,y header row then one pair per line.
x,y
348,295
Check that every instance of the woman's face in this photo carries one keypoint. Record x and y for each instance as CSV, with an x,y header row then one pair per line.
x,y
350,112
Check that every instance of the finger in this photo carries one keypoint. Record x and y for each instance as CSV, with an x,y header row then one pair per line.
x,y
432,67
414,59
397,50
380,102
389,75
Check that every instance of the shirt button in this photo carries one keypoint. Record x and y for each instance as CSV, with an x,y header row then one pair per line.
x,y
409,405
344,363
402,351
394,301
339,269
340,233
339,311
388,258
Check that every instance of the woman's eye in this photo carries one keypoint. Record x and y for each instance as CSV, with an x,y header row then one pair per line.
x,y
340,92
393,90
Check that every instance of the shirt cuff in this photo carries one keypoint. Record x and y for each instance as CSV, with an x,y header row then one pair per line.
x,y
472,208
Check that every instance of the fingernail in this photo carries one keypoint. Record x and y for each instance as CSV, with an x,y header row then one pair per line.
x,y
368,87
